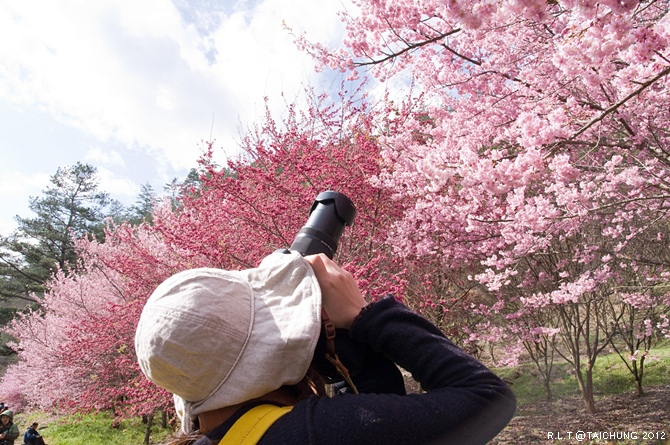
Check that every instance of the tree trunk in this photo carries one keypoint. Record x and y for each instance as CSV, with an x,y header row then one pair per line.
x,y
638,373
547,391
147,433
586,388
589,400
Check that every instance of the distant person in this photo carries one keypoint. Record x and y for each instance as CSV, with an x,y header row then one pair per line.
x,y
31,436
8,429
3,406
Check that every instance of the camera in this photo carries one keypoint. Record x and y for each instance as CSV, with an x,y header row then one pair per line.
x,y
329,215
331,212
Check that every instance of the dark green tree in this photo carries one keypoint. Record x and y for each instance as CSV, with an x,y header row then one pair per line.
x,y
191,186
71,206
142,210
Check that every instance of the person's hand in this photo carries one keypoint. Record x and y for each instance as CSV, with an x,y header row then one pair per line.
x,y
342,299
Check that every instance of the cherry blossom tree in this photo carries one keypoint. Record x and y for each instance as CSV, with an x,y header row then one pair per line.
x,y
547,139
259,202
637,327
77,351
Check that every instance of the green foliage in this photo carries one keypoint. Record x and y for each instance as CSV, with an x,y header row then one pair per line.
x,y
142,210
91,429
6,314
72,205
191,186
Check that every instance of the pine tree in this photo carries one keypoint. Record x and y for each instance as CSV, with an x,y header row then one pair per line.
x,y
71,206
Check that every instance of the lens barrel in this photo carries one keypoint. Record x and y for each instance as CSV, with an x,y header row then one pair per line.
x,y
329,215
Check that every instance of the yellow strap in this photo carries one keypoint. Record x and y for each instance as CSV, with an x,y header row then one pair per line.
x,y
249,428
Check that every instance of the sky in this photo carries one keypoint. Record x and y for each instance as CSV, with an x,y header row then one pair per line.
x,y
134,88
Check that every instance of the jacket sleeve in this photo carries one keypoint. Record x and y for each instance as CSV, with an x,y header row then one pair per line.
x,y
13,432
473,402
464,403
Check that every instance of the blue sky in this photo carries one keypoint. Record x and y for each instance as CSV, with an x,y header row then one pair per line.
x,y
134,87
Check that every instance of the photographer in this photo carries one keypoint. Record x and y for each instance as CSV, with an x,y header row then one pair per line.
x,y
229,343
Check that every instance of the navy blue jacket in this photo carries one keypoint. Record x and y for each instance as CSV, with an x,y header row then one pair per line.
x,y
464,402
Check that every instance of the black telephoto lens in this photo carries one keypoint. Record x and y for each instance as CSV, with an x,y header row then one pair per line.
x,y
329,215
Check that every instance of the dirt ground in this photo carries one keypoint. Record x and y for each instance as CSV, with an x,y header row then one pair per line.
x,y
636,420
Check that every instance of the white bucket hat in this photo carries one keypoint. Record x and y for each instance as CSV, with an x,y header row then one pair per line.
x,y
215,338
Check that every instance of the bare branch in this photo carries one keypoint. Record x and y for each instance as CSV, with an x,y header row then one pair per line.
x,y
409,47
616,106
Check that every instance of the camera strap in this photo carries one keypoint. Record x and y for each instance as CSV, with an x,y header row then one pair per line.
x,y
253,424
331,355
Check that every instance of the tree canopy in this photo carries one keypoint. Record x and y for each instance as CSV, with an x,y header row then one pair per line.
x,y
229,217
540,159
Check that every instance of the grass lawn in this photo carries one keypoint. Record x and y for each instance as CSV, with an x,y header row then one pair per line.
x,y
89,429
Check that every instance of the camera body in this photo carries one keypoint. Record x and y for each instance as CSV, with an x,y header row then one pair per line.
x,y
329,215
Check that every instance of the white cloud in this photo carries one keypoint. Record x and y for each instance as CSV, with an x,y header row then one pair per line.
x,y
121,188
136,72
101,156
12,182
153,78
15,187
102,67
